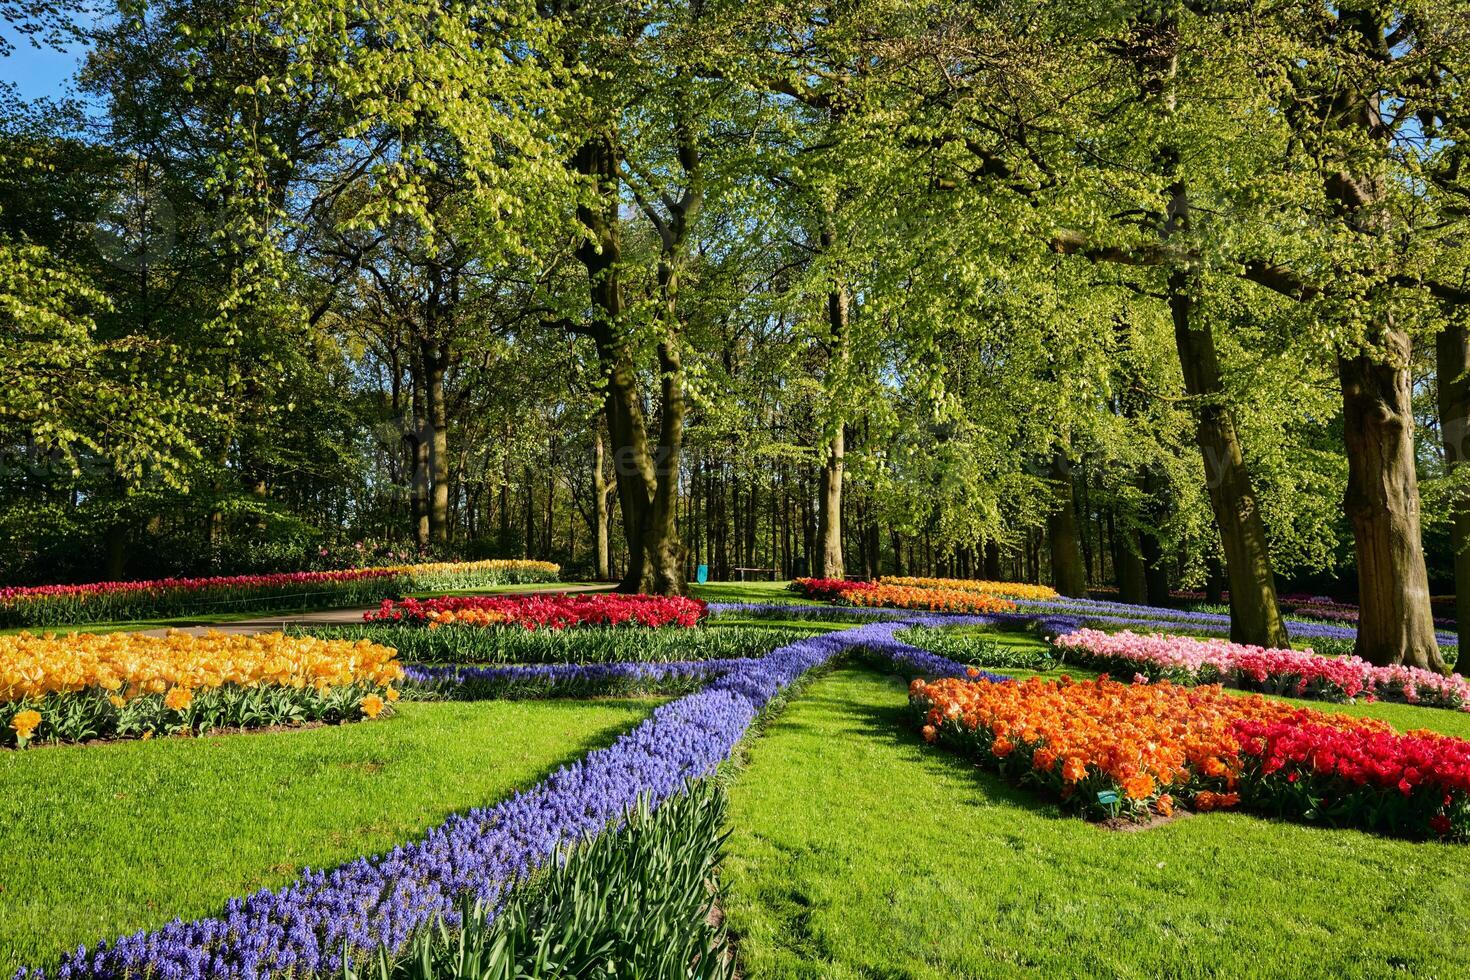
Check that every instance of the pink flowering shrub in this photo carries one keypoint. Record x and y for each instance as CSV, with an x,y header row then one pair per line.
x,y
1300,673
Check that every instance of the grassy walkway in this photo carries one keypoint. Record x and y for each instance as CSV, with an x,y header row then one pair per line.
x,y
96,841
860,852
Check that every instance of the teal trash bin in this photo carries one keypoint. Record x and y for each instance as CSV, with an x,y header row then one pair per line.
x,y
701,574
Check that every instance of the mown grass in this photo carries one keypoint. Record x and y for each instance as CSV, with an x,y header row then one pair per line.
x,y
100,840
858,851
748,592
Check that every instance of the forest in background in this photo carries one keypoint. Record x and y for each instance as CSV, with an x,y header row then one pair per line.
x,y
1147,295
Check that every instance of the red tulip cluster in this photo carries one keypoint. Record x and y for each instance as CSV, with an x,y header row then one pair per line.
x,y
1370,777
544,611
829,589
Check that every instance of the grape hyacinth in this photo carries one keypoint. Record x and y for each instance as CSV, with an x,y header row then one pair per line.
x,y
480,682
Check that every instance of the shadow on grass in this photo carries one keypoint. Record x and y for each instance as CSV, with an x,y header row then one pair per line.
x,y
894,725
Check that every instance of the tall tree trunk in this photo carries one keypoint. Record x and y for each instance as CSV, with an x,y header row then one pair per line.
x,y
436,362
528,513
829,509
1129,567
1395,621
647,476
1255,617
1155,570
1452,367
1069,575
829,490
602,503
992,560
419,444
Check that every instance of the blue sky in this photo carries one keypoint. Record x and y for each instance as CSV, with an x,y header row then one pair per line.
x,y
37,73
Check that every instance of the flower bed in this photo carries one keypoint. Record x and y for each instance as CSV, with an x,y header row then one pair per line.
x,y
1008,590
930,600
1337,637
553,612
1111,749
881,595
828,589
584,645
373,903
561,680
1298,673
125,685
55,605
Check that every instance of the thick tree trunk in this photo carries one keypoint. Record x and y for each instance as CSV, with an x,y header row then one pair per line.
x,y
1452,367
647,477
1255,617
1395,623
1069,574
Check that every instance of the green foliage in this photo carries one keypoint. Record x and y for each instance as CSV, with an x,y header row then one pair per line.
x,y
80,716
584,645
981,647
635,901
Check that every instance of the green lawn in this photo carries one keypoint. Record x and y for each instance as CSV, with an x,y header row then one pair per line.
x,y
858,851
748,592
100,840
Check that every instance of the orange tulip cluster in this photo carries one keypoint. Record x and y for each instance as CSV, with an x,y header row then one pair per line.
x,y
1108,747
1009,590
929,599
467,617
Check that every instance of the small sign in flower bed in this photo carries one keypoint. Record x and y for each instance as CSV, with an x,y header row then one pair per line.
x,y
554,612
1300,673
95,602
1107,749
127,685
885,596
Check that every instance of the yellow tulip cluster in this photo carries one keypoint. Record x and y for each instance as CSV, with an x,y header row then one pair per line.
x,y
129,665
507,565
1009,590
